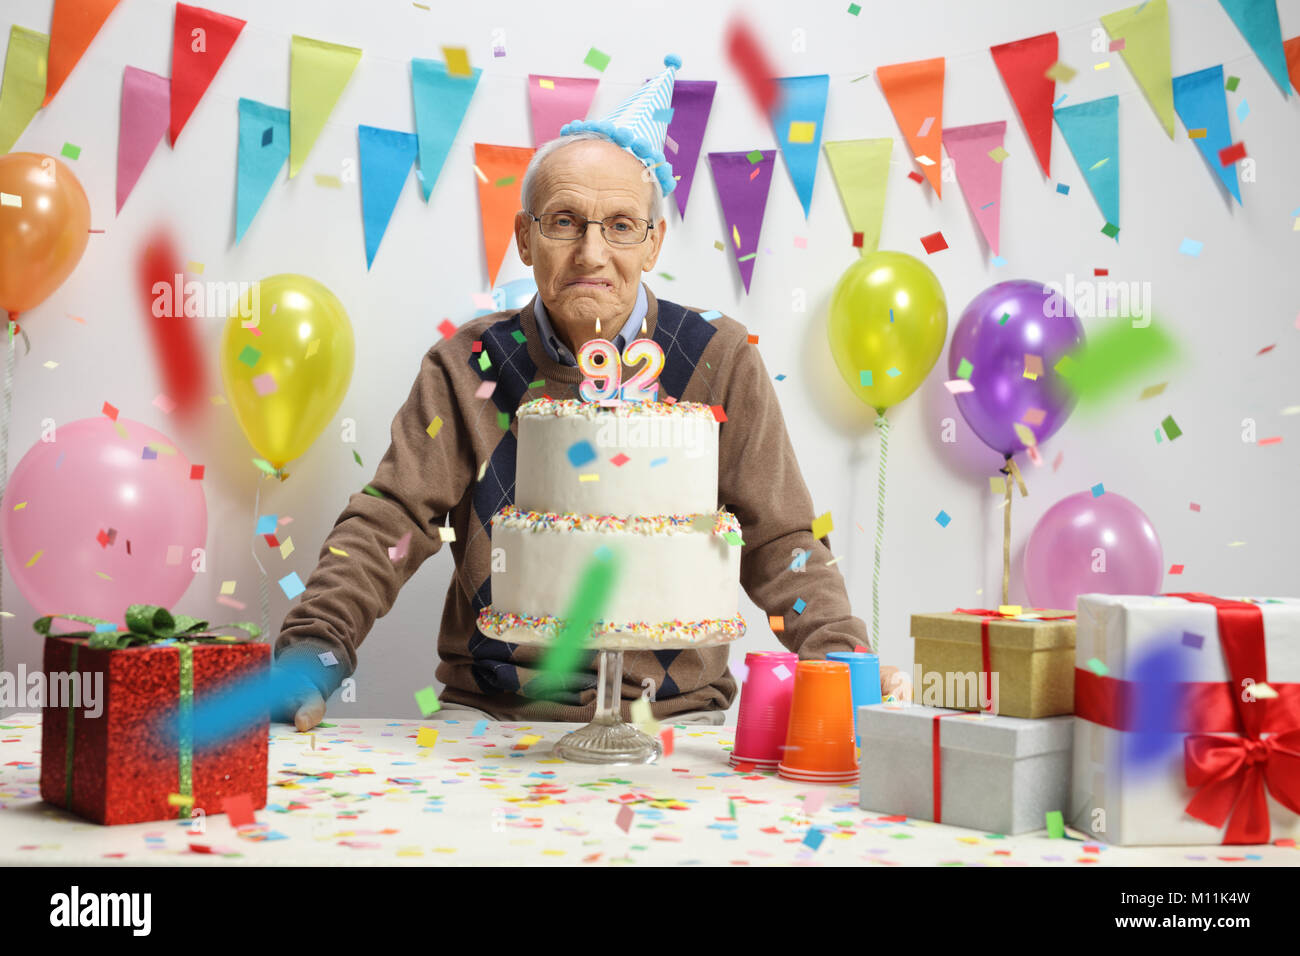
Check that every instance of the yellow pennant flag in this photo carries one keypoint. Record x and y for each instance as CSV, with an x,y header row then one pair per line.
x,y
23,87
861,171
1145,32
318,72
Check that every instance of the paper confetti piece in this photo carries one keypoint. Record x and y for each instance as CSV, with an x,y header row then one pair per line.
x,y
1034,416
1097,667
265,383
964,369
426,737
799,605
434,427
581,452
814,839
398,551
426,698
934,242
180,800
1033,366
328,181
457,59
328,659
1193,640
1171,427
959,386
943,519
1060,72
998,154
291,585
1151,391
822,525
666,738
1055,824
11,199
802,132
596,60
1027,437
1230,154
624,818
1176,569
1098,490
865,377
1191,247
446,534
776,622
998,484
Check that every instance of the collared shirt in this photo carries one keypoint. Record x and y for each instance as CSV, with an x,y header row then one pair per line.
x,y
556,348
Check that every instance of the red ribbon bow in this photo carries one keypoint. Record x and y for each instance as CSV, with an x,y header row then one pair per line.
x,y
1240,772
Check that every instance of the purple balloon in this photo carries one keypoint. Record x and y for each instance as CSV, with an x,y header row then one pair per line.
x,y
1087,545
1039,322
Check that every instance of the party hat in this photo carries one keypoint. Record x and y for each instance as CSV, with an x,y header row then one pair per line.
x,y
640,123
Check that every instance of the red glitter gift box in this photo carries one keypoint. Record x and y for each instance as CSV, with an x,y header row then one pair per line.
x,y
126,764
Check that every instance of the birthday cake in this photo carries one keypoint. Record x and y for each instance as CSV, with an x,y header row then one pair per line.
x,y
637,481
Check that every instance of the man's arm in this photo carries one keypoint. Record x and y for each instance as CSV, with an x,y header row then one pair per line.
x,y
420,478
760,481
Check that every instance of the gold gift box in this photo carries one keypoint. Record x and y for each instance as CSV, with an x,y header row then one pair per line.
x,y
1031,663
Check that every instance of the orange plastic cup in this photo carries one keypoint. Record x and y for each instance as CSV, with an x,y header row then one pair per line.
x,y
819,743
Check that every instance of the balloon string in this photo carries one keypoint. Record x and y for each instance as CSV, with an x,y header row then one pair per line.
x,y
1006,536
873,639
261,583
4,456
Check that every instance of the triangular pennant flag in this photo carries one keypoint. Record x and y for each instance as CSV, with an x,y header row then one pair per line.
x,y
555,100
263,148
1091,130
1202,104
318,72
1292,49
201,40
1257,21
1145,32
441,99
386,158
23,83
500,171
140,126
73,25
743,180
692,101
978,173
797,119
915,94
1023,65
861,171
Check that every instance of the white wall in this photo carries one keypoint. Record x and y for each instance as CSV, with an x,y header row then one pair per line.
x,y
1240,295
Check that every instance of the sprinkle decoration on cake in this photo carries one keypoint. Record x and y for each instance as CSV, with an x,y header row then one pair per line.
x,y
724,522
499,623
572,406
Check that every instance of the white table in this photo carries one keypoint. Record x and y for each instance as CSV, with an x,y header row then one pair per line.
x,y
476,800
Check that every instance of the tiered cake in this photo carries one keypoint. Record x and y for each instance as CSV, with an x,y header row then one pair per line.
x,y
640,479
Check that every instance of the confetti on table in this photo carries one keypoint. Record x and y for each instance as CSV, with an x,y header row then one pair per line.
x,y
426,737
943,519
814,839
239,809
623,820
426,698
1055,824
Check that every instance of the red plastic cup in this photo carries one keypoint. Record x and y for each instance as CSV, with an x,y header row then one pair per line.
x,y
819,744
764,708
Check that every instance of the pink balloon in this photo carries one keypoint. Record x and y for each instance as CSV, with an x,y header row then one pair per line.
x,y
87,481
1087,545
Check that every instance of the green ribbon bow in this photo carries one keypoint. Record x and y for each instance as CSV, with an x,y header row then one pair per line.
x,y
147,624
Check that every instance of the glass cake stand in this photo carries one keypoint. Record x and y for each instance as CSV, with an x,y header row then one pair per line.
x,y
608,739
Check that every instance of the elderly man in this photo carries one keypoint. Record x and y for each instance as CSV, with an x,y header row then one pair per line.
x,y
592,223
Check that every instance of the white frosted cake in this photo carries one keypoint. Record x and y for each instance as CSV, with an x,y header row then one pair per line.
x,y
641,480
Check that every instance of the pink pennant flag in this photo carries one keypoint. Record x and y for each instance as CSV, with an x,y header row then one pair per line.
x,y
977,155
146,112
556,100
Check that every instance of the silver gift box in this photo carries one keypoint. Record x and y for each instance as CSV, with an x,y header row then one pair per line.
x,y
999,774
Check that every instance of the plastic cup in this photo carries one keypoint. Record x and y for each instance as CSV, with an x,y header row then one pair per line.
x,y
864,676
819,744
764,708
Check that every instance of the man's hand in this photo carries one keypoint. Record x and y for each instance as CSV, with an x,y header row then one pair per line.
x,y
896,682
295,699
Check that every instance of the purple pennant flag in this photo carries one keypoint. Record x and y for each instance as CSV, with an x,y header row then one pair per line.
x,y
692,100
146,113
744,197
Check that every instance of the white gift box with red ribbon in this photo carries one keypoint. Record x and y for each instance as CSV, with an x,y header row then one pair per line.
x,y
1187,719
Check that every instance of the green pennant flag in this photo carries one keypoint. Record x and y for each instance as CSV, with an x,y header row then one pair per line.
x,y
1145,32
23,87
318,73
861,171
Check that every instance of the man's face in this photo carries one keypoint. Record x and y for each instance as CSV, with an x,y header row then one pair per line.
x,y
593,179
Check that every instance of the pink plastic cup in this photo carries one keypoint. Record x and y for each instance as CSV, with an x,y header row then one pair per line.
x,y
764,708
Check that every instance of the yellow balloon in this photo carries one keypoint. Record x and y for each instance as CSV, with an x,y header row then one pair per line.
x,y
899,349
307,350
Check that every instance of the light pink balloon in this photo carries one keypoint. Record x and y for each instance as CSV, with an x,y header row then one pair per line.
x,y
1087,545
88,480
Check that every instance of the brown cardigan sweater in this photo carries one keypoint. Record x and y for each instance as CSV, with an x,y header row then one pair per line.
x,y
465,472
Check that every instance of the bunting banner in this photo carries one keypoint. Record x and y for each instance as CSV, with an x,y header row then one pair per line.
x,y
1023,65
742,180
915,94
386,159
1091,130
500,171
1202,105
263,150
73,26
797,119
201,41
441,101
318,72
1257,21
979,174
1145,32
555,100
140,126
861,171
1292,49
23,83
692,102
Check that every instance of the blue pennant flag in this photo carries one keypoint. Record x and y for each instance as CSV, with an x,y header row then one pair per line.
x,y
263,149
800,109
386,158
1202,103
1257,21
441,100
1091,130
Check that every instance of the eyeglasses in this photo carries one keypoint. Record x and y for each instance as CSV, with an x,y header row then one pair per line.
x,y
620,230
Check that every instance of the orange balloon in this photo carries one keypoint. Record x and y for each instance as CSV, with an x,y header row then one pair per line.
x,y
42,240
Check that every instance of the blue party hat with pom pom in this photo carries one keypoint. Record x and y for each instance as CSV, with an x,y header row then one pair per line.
x,y
637,125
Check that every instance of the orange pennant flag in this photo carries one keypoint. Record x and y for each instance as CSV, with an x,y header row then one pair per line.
x,y
500,173
915,94
1292,49
74,24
